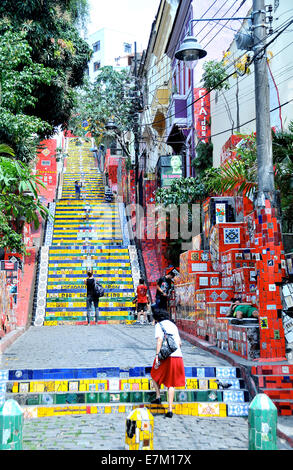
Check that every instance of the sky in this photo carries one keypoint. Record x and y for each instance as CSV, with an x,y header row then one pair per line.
x,y
134,16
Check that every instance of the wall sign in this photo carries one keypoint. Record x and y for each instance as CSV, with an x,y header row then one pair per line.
x,y
202,114
170,168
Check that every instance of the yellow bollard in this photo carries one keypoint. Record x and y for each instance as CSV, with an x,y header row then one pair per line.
x,y
139,432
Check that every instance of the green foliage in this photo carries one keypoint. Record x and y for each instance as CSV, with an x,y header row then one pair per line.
x,y
204,157
43,58
6,150
214,76
182,191
240,175
109,98
19,73
9,238
19,202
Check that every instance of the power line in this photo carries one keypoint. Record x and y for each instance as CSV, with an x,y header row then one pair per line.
x,y
229,75
175,47
168,73
217,22
230,65
245,123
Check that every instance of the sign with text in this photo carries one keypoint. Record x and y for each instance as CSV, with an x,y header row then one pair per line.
x,y
170,167
9,265
46,166
202,114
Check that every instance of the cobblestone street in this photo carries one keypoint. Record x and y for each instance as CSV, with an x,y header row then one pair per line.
x,y
112,345
106,432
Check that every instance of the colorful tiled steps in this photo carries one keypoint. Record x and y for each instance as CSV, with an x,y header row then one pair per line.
x,y
92,186
80,221
51,392
66,292
276,381
86,235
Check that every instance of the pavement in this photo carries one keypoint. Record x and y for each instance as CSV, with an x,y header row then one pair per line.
x,y
123,346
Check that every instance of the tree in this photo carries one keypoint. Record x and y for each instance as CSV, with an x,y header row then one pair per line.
x,y
215,77
19,75
239,176
53,41
110,97
19,202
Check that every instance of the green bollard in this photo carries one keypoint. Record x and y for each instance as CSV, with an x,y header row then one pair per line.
x,y
11,424
262,422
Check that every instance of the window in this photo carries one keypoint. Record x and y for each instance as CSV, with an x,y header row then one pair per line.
x,y
96,46
97,66
127,48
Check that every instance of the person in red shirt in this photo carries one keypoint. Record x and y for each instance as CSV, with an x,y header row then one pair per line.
x,y
142,300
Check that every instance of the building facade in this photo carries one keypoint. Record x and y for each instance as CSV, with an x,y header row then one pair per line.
x,y
233,110
110,47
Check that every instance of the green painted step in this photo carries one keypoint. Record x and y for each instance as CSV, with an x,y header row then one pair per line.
x,y
50,392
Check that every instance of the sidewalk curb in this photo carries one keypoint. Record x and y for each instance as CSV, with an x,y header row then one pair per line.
x,y
9,339
244,369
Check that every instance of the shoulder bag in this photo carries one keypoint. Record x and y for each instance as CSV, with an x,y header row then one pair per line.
x,y
168,346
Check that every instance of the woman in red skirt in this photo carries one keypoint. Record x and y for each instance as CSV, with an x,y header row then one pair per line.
x,y
169,372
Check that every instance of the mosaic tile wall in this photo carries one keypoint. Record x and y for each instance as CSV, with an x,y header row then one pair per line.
x,y
50,224
209,391
271,267
42,286
246,260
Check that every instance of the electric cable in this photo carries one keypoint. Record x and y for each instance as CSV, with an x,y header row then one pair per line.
x,y
175,47
243,54
231,74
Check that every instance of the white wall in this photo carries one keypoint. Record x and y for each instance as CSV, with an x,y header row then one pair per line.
x,y
111,47
281,87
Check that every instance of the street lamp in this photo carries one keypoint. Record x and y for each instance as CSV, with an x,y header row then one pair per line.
x,y
190,51
110,125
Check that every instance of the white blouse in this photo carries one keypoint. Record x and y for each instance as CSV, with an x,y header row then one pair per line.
x,y
170,328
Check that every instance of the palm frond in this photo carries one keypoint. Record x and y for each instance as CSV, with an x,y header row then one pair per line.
x,y
6,150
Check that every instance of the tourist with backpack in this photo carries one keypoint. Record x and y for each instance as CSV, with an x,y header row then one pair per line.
x,y
77,187
94,290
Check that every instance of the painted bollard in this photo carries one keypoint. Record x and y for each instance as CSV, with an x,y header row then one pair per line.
x,y
139,430
11,425
262,423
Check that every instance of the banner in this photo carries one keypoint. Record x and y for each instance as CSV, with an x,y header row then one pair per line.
x,y
202,114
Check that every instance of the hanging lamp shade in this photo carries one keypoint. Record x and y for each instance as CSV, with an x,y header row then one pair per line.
x,y
190,50
111,126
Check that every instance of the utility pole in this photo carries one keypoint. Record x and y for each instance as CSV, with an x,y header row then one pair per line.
x,y
268,234
266,185
136,139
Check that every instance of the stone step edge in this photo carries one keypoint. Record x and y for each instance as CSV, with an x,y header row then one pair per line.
x,y
115,373
101,408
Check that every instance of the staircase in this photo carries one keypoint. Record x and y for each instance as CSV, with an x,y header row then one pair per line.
x,y
86,236
59,392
